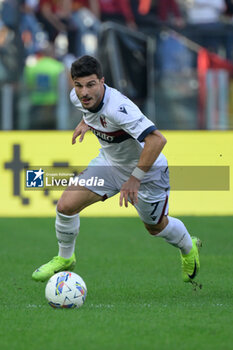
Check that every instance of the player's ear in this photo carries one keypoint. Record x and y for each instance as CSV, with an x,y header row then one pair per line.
x,y
102,80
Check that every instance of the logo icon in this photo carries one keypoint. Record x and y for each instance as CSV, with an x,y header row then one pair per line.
x,y
194,271
122,109
103,121
35,178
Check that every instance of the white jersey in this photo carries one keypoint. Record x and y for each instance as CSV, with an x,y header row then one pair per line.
x,y
120,127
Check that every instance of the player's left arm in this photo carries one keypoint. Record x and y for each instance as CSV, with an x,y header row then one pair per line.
x,y
154,143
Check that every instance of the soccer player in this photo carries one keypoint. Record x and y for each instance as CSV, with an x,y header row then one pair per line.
x,y
130,162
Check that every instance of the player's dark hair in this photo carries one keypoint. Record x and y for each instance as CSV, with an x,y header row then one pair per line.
x,y
84,66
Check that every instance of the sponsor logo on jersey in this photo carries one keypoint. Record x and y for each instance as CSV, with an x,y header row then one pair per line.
x,y
103,135
111,137
133,127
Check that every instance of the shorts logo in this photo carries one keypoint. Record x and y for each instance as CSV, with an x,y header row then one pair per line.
x,y
35,178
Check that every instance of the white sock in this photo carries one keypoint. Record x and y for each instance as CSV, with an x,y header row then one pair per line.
x,y
176,234
67,229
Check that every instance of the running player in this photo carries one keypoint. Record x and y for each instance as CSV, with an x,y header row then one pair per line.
x,y
130,162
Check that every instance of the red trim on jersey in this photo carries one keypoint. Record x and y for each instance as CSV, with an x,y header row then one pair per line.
x,y
113,133
164,207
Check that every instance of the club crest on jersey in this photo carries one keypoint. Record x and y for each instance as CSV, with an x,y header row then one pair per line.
x,y
122,109
103,122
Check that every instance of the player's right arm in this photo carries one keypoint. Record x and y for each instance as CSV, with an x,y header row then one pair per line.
x,y
81,130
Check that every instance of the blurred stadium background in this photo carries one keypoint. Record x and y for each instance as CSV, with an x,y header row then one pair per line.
x,y
174,59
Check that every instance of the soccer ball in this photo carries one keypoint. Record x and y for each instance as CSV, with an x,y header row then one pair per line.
x,y
66,290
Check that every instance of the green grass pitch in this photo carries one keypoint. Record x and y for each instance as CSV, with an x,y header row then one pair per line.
x,y
136,298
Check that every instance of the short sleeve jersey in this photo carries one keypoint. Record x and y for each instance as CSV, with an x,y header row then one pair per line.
x,y
120,127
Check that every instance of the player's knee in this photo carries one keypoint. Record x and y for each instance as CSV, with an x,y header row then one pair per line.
x,y
153,229
157,228
63,207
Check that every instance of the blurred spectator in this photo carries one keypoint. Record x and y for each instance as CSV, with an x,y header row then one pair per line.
x,y
92,5
144,7
117,11
11,47
157,12
229,7
41,77
20,16
10,13
229,28
10,60
206,28
29,25
55,15
205,11
85,14
168,11
171,54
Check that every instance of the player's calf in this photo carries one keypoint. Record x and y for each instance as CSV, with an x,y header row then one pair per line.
x,y
67,229
174,232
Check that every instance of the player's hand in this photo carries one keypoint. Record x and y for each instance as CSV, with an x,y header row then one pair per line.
x,y
129,189
81,130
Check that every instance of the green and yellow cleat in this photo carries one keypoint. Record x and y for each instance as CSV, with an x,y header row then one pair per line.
x,y
191,262
57,264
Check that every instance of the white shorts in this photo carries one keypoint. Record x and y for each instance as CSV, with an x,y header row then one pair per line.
x,y
152,196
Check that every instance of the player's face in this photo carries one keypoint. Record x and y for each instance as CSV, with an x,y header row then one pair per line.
x,y
90,90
